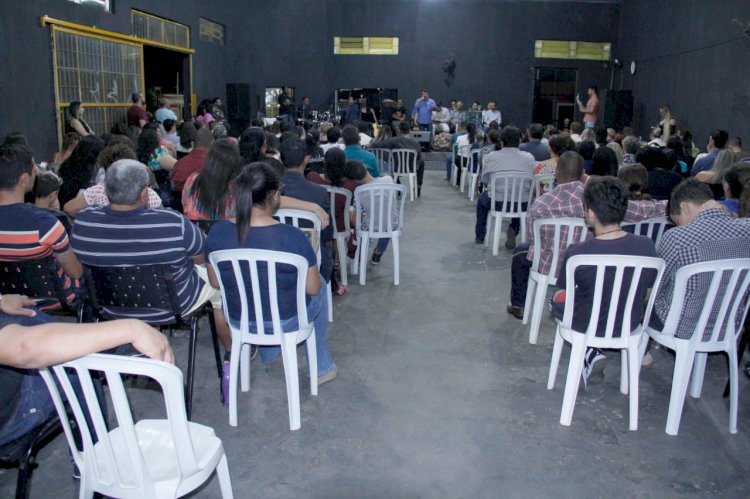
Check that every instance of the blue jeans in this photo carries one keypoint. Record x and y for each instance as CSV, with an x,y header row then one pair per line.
x,y
483,210
34,404
382,245
589,124
425,127
317,313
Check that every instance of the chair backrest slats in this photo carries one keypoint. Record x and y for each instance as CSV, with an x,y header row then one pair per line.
x,y
335,192
404,161
384,210
569,228
518,188
653,228
617,265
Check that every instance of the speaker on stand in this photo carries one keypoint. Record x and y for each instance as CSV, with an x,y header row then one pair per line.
x,y
618,109
242,105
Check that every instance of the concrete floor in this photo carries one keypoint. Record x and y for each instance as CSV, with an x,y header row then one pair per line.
x,y
439,394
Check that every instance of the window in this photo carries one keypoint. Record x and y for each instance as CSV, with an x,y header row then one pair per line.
x,y
100,73
104,4
563,49
211,31
365,45
160,30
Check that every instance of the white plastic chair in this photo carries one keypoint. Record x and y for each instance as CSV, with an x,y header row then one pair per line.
x,y
471,171
628,337
567,230
653,228
455,170
293,217
465,162
383,157
724,283
404,163
151,458
518,188
543,179
386,220
341,234
243,336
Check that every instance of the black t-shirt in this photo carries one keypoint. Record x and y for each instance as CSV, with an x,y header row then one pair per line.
x,y
286,105
585,278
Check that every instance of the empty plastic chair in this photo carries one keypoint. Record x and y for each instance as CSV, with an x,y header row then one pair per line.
x,y
383,157
725,285
404,163
626,338
379,214
518,190
563,232
252,326
150,458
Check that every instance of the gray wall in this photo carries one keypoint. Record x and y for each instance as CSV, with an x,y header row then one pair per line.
x,y
288,42
706,88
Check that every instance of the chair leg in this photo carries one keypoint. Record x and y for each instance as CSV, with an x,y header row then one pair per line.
x,y
683,364
245,367
225,481
234,368
577,352
537,310
362,250
341,246
733,394
496,235
215,342
289,355
396,268
699,369
555,363
634,363
529,301
412,187
624,371
191,366
330,302
25,467
312,362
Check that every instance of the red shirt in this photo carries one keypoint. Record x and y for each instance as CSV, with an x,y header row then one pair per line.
x,y
135,114
340,208
192,163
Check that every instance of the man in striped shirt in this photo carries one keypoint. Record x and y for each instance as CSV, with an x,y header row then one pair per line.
x,y
128,233
29,233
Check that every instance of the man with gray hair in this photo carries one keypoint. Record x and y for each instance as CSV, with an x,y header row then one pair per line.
x,y
630,146
127,232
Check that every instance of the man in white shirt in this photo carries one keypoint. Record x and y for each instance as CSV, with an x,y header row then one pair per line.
x,y
508,159
491,114
441,118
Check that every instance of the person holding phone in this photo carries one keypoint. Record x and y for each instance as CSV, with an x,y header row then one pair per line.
x,y
422,111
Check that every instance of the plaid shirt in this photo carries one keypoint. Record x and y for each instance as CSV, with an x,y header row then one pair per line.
x,y
714,235
567,201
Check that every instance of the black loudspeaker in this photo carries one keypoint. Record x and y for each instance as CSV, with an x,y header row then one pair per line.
x,y
242,105
618,109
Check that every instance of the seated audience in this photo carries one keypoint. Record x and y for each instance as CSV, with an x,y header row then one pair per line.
x,y
193,162
186,132
361,176
96,195
617,148
635,178
661,179
604,162
534,146
508,159
630,146
317,156
605,202
705,231
170,133
258,190
70,141
722,162
557,145
79,171
128,233
716,142
684,161
206,194
575,131
46,187
734,184
354,151
158,160
30,233
365,132
404,141
254,146
30,340
333,139
586,150
334,174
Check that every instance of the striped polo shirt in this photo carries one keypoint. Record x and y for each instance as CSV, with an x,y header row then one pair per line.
x,y
30,233
104,237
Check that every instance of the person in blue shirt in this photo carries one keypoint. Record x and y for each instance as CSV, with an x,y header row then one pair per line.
x,y
422,110
354,151
716,142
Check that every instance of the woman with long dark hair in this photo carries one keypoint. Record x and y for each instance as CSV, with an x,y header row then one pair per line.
x,y
74,120
253,147
79,170
257,191
206,195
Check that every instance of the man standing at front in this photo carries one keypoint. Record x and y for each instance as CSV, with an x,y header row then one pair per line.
x,y
591,108
507,159
422,110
